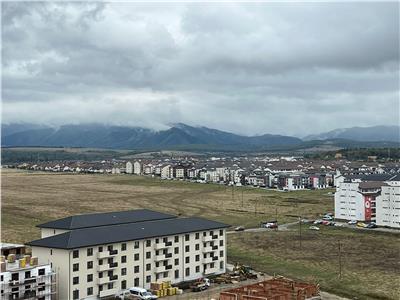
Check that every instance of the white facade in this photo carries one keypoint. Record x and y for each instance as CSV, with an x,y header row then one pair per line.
x,y
349,204
166,172
103,270
129,168
388,206
137,168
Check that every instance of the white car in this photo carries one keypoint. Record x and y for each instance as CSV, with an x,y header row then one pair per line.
x,y
313,228
352,222
142,294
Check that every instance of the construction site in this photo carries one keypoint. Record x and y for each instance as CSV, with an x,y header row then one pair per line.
x,y
273,289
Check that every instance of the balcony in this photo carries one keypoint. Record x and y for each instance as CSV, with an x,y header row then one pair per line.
x,y
160,246
168,255
207,260
215,247
208,249
105,267
215,236
161,257
159,269
106,254
107,279
107,293
215,258
207,238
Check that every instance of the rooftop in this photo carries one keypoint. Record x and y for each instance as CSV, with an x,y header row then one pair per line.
x,y
126,232
106,219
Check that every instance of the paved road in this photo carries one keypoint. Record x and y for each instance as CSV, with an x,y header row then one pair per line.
x,y
283,227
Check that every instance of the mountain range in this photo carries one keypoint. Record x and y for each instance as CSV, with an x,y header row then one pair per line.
x,y
181,136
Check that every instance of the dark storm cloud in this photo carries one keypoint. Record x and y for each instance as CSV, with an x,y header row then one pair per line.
x,y
293,68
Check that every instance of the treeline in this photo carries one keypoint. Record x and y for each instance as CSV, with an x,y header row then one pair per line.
x,y
381,154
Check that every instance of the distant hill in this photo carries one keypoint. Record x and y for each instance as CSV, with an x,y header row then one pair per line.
x,y
364,134
119,137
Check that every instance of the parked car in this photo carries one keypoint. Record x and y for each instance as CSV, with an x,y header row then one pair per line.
x,y
326,223
313,228
271,225
124,295
327,218
371,225
142,294
239,228
316,222
352,222
361,224
338,224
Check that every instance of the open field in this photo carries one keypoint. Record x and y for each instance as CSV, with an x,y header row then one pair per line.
x,y
30,198
370,259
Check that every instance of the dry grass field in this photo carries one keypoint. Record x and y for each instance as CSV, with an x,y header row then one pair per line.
x,y
30,198
370,259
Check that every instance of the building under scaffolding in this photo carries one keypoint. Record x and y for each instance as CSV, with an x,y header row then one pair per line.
x,y
273,289
22,277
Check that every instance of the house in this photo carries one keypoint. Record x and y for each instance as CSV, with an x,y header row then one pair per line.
x,y
129,168
97,255
137,168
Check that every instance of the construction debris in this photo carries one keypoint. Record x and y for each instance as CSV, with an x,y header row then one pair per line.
x,y
239,273
273,289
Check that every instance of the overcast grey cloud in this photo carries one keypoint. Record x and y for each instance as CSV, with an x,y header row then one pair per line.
x,y
250,68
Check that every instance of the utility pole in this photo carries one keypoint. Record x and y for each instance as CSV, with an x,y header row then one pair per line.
x,y
300,231
340,261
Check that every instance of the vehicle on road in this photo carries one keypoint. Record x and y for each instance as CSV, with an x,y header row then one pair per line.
x,y
313,228
338,224
142,294
239,228
124,295
316,222
352,222
327,218
269,224
371,225
361,224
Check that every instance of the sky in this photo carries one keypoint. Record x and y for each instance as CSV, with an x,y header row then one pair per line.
x,y
249,68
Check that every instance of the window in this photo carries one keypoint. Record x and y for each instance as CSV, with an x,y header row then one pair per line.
x,y
197,247
197,235
40,272
15,276
75,267
221,253
221,264
51,251
197,269
90,265
75,294
100,249
89,291
90,253
136,245
27,275
100,262
75,280
197,257
123,246
176,273
75,254
176,239
176,250
123,259
136,281
148,279
136,256
187,248
148,243
136,269
187,271
221,242
187,258
89,277
123,284
148,267
123,271
204,233
221,232
110,285
148,254
176,261
186,237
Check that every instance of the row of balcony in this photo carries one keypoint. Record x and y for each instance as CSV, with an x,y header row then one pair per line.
x,y
107,279
107,253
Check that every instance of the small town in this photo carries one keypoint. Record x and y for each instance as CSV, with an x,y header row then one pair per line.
x,y
200,150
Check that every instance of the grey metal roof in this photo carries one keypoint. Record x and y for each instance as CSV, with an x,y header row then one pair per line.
x,y
126,232
105,219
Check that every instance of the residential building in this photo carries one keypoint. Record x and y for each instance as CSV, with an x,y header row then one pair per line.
x,y
98,255
137,168
129,168
21,276
388,206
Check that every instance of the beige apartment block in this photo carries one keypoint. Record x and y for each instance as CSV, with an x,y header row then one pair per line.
x,y
98,261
